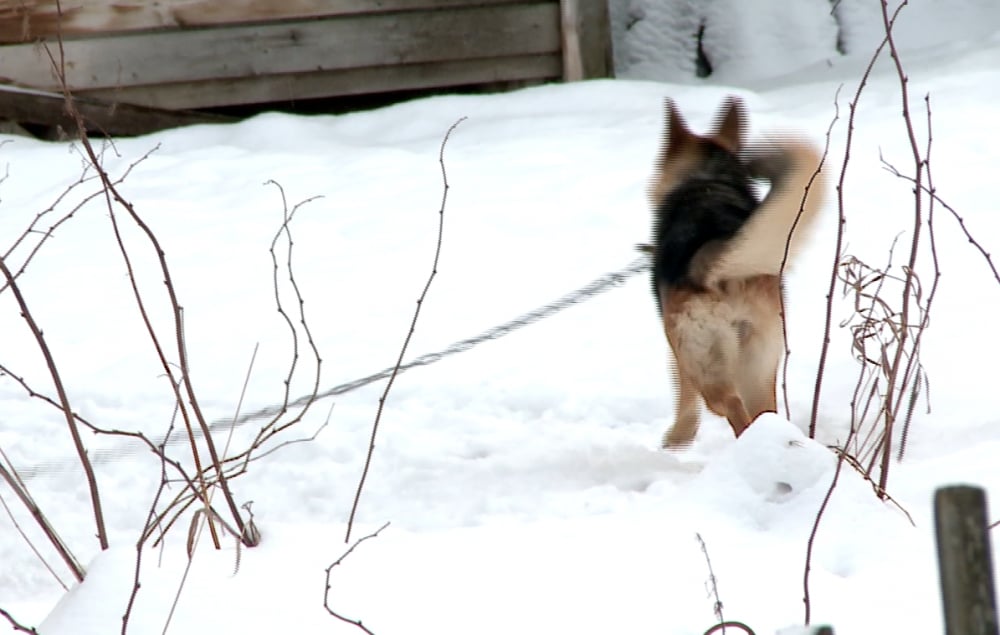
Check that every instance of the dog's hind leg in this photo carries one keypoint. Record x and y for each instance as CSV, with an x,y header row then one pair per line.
x,y
722,398
759,394
688,412
761,346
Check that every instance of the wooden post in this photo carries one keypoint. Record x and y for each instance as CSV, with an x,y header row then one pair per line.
x,y
586,39
569,17
964,561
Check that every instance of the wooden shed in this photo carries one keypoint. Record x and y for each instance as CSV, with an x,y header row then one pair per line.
x,y
182,55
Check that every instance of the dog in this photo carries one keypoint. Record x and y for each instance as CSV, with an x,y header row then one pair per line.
x,y
718,253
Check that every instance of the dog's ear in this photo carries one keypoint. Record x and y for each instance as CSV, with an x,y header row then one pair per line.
x,y
680,150
730,125
676,135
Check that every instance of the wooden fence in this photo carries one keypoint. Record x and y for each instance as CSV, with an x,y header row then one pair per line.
x,y
192,54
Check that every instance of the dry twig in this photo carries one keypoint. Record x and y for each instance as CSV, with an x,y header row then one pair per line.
x,y
712,582
806,599
14,481
329,570
64,406
842,215
890,410
788,245
141,542
409,334
113,196
276,424
820,372
17,626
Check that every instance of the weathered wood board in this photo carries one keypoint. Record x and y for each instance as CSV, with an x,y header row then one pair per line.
x,y
301,86
160,57
191,54
29,20
130,65
49,109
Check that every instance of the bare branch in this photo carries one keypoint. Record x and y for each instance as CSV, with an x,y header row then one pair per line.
x,y
17,626
824,350
409,334
155,340
141,542
712,582
157,450
20,530
820,372
329,570
50,362
890,411
854,463
806,599
911,363
788,245
276,424
112,194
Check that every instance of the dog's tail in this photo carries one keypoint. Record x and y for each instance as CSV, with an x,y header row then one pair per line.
x,y
778,228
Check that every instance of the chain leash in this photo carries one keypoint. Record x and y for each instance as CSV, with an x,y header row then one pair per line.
x,y
591,289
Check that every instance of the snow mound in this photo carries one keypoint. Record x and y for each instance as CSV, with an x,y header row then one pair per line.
x,y
773,461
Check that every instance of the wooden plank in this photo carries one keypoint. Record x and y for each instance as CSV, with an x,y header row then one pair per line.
x,y
28,20
965,561
48,109
290,47
318,84
595,39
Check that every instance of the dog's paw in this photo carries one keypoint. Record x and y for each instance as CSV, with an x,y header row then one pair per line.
x,y
676,439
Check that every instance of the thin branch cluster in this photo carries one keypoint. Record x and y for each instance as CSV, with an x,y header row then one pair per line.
x,y
891,309
189,481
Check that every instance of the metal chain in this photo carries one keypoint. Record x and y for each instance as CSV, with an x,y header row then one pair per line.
x,y
593,288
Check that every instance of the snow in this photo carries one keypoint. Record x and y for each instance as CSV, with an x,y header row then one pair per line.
x,y
522,479
743,41
919,25
747,42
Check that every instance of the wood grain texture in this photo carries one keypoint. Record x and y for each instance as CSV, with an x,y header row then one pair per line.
x,y
318,84
189,54
965,564
28,20
124,61
48,109
596,54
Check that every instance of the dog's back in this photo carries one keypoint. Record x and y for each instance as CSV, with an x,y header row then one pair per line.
x,y
710,205
717,257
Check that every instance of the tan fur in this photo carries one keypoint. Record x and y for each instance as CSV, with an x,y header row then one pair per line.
x,y
724,326
682,149
759,247
727,343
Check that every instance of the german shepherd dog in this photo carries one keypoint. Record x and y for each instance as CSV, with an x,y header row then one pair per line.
x,y
718,253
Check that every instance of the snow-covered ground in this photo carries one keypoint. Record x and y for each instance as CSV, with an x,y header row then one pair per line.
x,y
522,480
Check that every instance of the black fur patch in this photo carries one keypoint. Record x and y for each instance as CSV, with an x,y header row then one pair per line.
x,y
712,203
